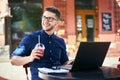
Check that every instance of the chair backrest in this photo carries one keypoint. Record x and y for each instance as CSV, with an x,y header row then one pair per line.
x,y
118,66
26,70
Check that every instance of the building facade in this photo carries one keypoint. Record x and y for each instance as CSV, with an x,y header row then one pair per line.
x,y
4,12
87,24
81,20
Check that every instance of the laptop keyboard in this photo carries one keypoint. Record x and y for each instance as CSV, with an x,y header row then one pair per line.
x,y
67,67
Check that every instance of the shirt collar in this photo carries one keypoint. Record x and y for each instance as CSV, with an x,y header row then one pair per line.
x,y
46,35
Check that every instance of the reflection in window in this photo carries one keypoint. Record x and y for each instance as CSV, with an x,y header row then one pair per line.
x,y
26,19
79,23
85,4
79,27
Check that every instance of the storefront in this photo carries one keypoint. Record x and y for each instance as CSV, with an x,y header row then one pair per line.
x,y
81,20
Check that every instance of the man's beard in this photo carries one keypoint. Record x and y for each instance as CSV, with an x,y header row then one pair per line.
x,y
50,29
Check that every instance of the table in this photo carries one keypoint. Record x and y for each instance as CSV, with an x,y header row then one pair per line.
x,y
103,73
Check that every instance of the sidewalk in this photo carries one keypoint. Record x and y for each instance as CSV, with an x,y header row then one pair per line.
x,y
11,72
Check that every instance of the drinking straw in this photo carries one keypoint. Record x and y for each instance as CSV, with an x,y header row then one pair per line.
x,y
38,38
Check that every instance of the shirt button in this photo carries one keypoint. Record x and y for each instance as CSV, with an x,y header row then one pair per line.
x,y
50,51
50,59
49,42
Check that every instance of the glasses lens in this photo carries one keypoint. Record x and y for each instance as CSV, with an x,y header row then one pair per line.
x,y
48,18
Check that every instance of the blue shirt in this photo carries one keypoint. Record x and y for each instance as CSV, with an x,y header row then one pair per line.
x,y
55,50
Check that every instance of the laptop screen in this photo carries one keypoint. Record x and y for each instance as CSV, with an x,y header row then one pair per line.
x,y
90,55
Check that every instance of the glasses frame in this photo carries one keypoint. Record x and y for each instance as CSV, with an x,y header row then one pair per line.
x,y
50,19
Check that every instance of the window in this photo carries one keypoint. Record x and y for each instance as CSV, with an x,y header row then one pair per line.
x,y
26,19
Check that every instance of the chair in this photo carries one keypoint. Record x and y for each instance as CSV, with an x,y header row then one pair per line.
x,y
26,70
118,66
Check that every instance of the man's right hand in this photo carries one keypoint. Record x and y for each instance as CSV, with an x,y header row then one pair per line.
x,y
36,54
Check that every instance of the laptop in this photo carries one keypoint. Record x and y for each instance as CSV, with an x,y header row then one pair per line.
x,y
90,55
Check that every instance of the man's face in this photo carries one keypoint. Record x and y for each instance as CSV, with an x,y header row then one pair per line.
x,y
49,21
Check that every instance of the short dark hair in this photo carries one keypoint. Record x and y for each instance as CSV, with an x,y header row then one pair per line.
x,y
54,10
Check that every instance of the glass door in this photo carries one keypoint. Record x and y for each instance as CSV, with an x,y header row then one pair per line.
x,y
90,27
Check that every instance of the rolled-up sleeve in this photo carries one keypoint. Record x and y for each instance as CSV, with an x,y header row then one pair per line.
x,y
22,48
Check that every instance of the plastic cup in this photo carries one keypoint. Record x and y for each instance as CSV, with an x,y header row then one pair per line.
x,y
41,48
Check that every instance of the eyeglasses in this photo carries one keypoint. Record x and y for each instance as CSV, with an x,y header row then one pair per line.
x,y
50,19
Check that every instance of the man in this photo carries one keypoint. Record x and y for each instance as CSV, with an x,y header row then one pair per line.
x,y
55,49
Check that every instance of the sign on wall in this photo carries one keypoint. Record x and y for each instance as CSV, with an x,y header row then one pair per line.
x,y
106,22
